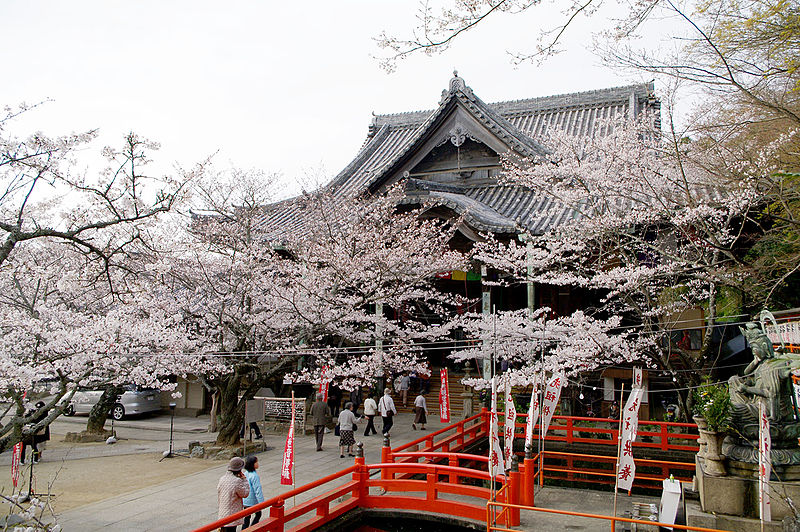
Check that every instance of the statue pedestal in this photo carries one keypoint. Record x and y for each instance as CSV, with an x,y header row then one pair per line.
x,y
735,498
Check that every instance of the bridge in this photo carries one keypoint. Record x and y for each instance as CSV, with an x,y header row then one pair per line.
x,y
436,474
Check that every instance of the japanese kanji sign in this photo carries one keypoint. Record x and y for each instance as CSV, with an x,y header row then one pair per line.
x,y
551,395
324,383
15,458
533,415
630,426
764,462
288,454
495,452
511,420
444,397
638,381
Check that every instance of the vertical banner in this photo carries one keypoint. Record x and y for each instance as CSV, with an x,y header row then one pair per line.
x,y
764,462
551,395
533,415
16,453
444,397
630,426
511,421
796,395
495,453
324,383
638,381
287,477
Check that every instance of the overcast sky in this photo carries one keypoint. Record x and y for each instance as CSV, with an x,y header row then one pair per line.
x,y
286,87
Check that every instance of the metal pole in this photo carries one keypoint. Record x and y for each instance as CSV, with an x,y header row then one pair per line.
x,y
619,447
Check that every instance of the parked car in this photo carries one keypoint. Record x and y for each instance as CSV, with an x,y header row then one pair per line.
x,y
134,400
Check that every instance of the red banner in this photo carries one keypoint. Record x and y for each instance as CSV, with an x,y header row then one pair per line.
x,y
15,457
324,383
288,454
444,397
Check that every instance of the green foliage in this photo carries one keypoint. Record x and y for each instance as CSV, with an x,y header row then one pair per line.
x,y
713,402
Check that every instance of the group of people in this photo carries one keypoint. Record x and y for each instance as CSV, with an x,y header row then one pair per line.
x,y
347,420
238,489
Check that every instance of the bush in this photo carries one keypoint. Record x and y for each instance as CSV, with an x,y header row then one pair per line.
x,y
713,402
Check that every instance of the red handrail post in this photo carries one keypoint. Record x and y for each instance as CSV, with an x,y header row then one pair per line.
x,y
453,461
515,482
359,474
386,458
460,432
664,438
431,491
276,513
528,475
541,468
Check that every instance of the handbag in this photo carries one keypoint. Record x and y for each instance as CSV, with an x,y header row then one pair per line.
x,y
337,430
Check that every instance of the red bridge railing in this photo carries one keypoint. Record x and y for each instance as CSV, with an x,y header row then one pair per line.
x,y
397,485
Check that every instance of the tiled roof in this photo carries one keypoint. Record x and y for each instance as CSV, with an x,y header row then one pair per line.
x,y
392,138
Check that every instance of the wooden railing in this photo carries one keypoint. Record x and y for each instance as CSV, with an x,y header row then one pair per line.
x,y
434,458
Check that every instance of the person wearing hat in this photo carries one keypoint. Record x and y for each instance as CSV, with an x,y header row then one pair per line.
x,y
232,488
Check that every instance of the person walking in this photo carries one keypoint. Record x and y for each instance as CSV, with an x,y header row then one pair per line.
x,y
256,494
387,410
36,414
347,424
403,387
320,414
370,410
232,488
420,412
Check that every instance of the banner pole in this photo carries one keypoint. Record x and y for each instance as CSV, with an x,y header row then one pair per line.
x,y
619,448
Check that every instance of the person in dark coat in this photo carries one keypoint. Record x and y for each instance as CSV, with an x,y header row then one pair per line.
x,y
38,413
320,415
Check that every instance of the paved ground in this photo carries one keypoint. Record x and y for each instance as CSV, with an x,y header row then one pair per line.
x,y
191,500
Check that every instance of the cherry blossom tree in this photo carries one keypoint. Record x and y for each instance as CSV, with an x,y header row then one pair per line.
x,y
269,302
653,233
71,250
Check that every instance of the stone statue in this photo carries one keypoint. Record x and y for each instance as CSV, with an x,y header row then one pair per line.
x,y
767,378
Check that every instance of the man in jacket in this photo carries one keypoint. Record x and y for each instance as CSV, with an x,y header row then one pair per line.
x,y
320,414
387,410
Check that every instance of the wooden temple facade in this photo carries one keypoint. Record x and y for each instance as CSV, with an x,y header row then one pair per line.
x,y
452,155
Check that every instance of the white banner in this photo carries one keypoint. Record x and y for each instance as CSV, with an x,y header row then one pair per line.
x,y
533,415
287,468
495,452
764,462
638,382
551,395
630,426
511,420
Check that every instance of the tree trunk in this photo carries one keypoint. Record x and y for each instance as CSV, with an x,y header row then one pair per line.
x,y
231,410
214,410
99,412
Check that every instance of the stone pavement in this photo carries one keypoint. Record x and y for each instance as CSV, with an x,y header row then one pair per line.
x,y
191,501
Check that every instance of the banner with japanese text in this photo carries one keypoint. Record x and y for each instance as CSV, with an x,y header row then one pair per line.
x,y
511,420
324,384
287,467
630,426
764,462
495,452
16,453
552,393
638,381
533,415
444,397
796,390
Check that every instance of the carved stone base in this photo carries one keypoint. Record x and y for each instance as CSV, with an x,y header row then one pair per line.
x,y
737,493
785,453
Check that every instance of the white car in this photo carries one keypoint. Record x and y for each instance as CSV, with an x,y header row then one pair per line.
x,y
133,401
